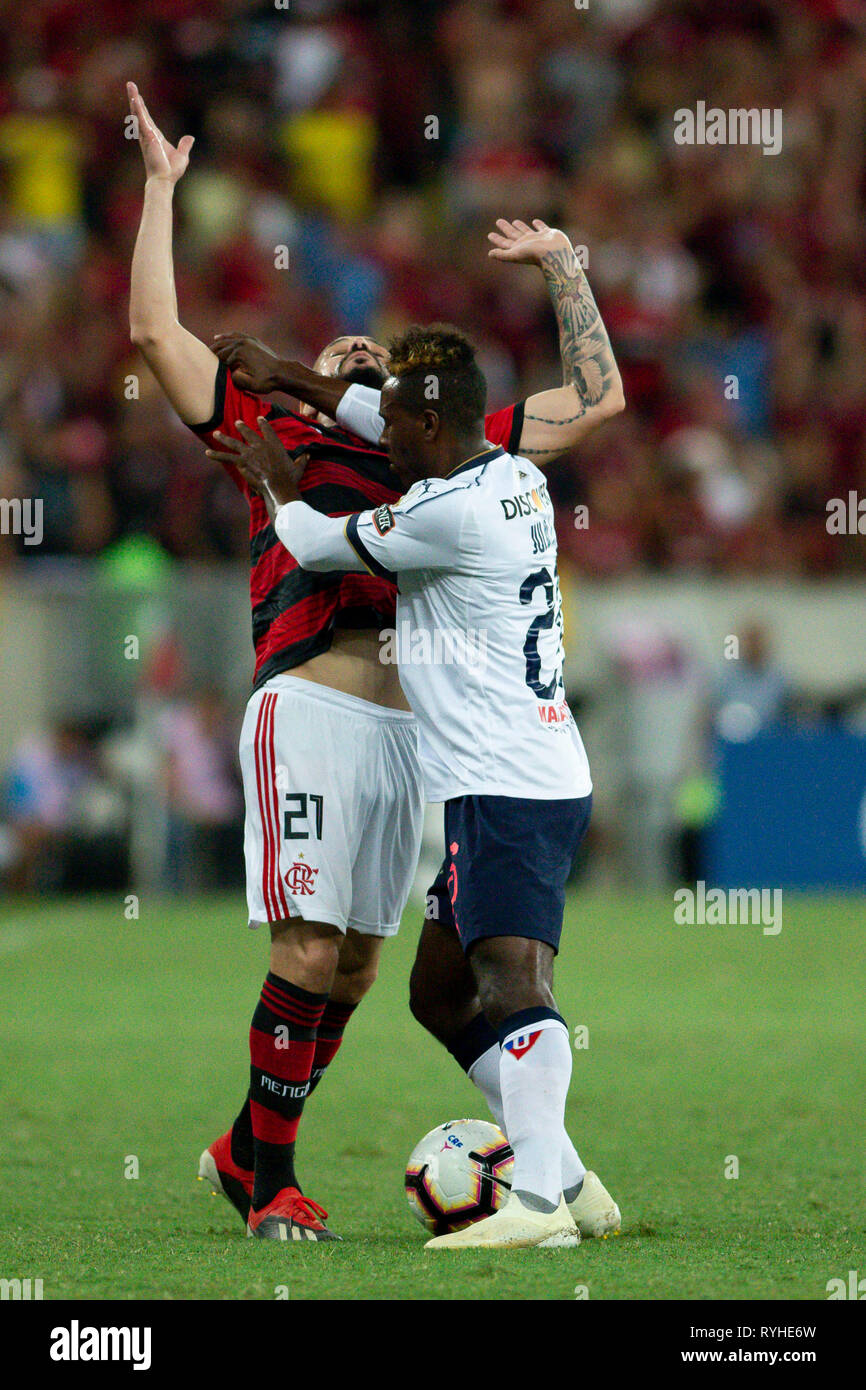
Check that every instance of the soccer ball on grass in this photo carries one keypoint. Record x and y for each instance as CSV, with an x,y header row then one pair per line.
x,y
459,1173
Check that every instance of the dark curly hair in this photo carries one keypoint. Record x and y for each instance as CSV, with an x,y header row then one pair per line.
x,y
437,370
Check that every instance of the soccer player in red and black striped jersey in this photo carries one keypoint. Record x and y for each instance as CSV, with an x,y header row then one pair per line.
x,y
328,749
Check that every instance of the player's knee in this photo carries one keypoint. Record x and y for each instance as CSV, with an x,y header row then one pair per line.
x,y
306,953
350,985
357,967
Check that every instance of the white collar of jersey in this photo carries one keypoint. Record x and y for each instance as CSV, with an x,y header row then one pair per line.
x,y
486,456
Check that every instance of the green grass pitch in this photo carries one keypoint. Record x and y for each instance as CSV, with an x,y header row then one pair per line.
x,y
128,1038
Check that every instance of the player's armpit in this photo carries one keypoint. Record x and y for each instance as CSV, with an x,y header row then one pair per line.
x,y
184,366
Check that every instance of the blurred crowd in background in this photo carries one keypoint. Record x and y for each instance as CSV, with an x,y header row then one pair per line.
x,y
156,799
90,804
349,160
377,143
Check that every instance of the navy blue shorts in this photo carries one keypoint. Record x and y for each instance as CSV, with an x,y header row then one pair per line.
x,y
507,861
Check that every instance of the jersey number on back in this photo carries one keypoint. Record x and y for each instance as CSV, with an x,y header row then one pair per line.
x,y
542,623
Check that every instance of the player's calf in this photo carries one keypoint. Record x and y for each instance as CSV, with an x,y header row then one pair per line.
x,y
283,1045
513,974
443,996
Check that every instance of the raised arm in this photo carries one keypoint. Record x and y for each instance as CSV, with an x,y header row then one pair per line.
x,y
184,367
554,421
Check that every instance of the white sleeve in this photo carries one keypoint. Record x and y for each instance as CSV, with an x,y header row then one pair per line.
x,y
317,542
425,534
358,411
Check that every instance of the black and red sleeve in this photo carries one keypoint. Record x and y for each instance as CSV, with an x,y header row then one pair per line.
x,y
504,427
231,404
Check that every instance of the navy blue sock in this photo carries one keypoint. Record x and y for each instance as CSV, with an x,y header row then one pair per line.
x,y
473,1041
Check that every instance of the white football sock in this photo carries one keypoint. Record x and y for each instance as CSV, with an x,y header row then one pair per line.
x,y
534,1072
484,1073
573,1170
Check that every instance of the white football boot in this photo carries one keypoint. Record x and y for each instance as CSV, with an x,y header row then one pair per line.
x,y
513,1227
594,1211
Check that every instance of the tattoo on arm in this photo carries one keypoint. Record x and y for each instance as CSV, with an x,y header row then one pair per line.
x,y
587,357
546,420
540,453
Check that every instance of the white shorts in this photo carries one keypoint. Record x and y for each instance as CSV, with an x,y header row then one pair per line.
x,y
334,807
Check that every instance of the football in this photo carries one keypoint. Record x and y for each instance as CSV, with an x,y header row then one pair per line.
x,y
457,1174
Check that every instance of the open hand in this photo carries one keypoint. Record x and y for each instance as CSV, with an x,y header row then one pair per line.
x,y
162,160
515,241
262,461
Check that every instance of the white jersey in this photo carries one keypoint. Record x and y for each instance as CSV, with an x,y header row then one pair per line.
x,y
479,624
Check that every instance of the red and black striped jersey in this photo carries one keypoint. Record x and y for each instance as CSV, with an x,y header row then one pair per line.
x,y
294,611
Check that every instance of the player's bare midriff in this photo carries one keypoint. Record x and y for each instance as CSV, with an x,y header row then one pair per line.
x,y
352,665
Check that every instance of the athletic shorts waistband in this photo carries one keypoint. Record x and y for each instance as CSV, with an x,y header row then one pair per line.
x,y
336,699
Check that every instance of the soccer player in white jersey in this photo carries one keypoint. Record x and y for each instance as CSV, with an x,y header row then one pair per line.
x,y
473,548
323,703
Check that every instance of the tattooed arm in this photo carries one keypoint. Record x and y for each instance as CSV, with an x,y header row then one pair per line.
x,y
554,421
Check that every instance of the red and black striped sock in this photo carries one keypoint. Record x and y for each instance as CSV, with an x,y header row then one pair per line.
x,y
282,1047
241,1141
328,1038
